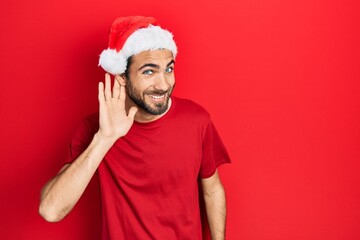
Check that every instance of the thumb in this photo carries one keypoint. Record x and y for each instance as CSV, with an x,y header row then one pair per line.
x,y
132,112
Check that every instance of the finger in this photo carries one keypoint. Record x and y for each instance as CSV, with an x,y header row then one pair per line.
x,y
132,112
107,87
122,93
101,96
116,89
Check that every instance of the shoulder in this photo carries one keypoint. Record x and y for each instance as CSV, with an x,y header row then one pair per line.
x,y
190,107
85,131
90,123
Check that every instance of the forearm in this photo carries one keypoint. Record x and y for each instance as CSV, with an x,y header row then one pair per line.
x,y
60,194
215,203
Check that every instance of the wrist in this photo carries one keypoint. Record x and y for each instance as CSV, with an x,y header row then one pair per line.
x,y
104,141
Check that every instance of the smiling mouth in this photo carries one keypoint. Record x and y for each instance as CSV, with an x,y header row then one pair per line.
x,y
157,97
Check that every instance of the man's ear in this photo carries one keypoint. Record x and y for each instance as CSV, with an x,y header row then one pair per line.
x,y
121,79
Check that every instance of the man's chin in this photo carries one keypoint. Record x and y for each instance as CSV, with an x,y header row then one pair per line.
x,y
158,108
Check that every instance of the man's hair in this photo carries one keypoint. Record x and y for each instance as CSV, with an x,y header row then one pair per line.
x,y
128,64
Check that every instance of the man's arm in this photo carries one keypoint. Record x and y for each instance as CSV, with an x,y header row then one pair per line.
x,y
215,204
62,192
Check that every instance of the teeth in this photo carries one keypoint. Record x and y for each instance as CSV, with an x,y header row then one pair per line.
x,y
156,97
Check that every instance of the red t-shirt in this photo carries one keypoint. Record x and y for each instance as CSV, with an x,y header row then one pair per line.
x,y
149,178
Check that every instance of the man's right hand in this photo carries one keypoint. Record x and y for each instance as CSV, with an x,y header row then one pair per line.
x,y
113,120
63,191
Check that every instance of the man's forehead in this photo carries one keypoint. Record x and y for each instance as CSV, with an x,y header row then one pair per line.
x,y
164,56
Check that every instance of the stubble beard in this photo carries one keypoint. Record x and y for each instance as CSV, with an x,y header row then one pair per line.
x,y
140,100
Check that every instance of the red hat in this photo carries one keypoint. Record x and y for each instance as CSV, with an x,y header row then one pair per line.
x,y
130,36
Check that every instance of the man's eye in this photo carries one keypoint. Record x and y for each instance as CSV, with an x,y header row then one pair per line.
x,y
148,72
169,69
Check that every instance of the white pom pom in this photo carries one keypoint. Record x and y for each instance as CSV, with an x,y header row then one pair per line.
x,y
112,61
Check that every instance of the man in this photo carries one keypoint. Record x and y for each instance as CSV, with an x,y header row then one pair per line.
x,y
150,149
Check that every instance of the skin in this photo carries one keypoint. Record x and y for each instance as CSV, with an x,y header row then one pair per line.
x,y
143,96
151,74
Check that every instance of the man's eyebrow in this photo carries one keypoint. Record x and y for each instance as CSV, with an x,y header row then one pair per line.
x,y
149,65
171,62
155,65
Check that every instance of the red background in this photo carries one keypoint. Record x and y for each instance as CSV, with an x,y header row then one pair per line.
x,y
280,78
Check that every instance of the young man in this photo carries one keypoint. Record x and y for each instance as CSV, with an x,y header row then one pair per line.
x,y
150,149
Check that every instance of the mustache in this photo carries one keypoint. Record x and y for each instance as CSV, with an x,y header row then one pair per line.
x,y
157,92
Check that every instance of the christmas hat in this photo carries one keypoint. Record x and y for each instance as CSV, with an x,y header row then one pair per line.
x,y
130,36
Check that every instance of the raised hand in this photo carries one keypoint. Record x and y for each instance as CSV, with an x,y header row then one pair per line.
x,y
114,120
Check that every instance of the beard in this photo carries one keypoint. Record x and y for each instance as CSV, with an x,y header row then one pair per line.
x,y
140,99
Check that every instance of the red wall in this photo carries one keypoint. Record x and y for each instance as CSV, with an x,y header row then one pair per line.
x,y
280,78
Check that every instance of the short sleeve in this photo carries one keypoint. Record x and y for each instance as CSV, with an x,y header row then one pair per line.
x,y
82,137
214,152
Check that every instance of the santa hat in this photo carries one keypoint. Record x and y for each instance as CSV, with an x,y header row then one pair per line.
x,y
130,36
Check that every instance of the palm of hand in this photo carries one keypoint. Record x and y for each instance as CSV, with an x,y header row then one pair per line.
x,y
113,120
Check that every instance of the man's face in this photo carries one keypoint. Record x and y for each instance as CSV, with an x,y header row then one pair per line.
x,y
151,80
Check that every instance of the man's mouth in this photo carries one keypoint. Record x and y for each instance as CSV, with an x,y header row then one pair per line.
x,y
157,98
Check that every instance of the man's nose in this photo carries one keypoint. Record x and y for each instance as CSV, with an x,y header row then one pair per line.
x,y
162,82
